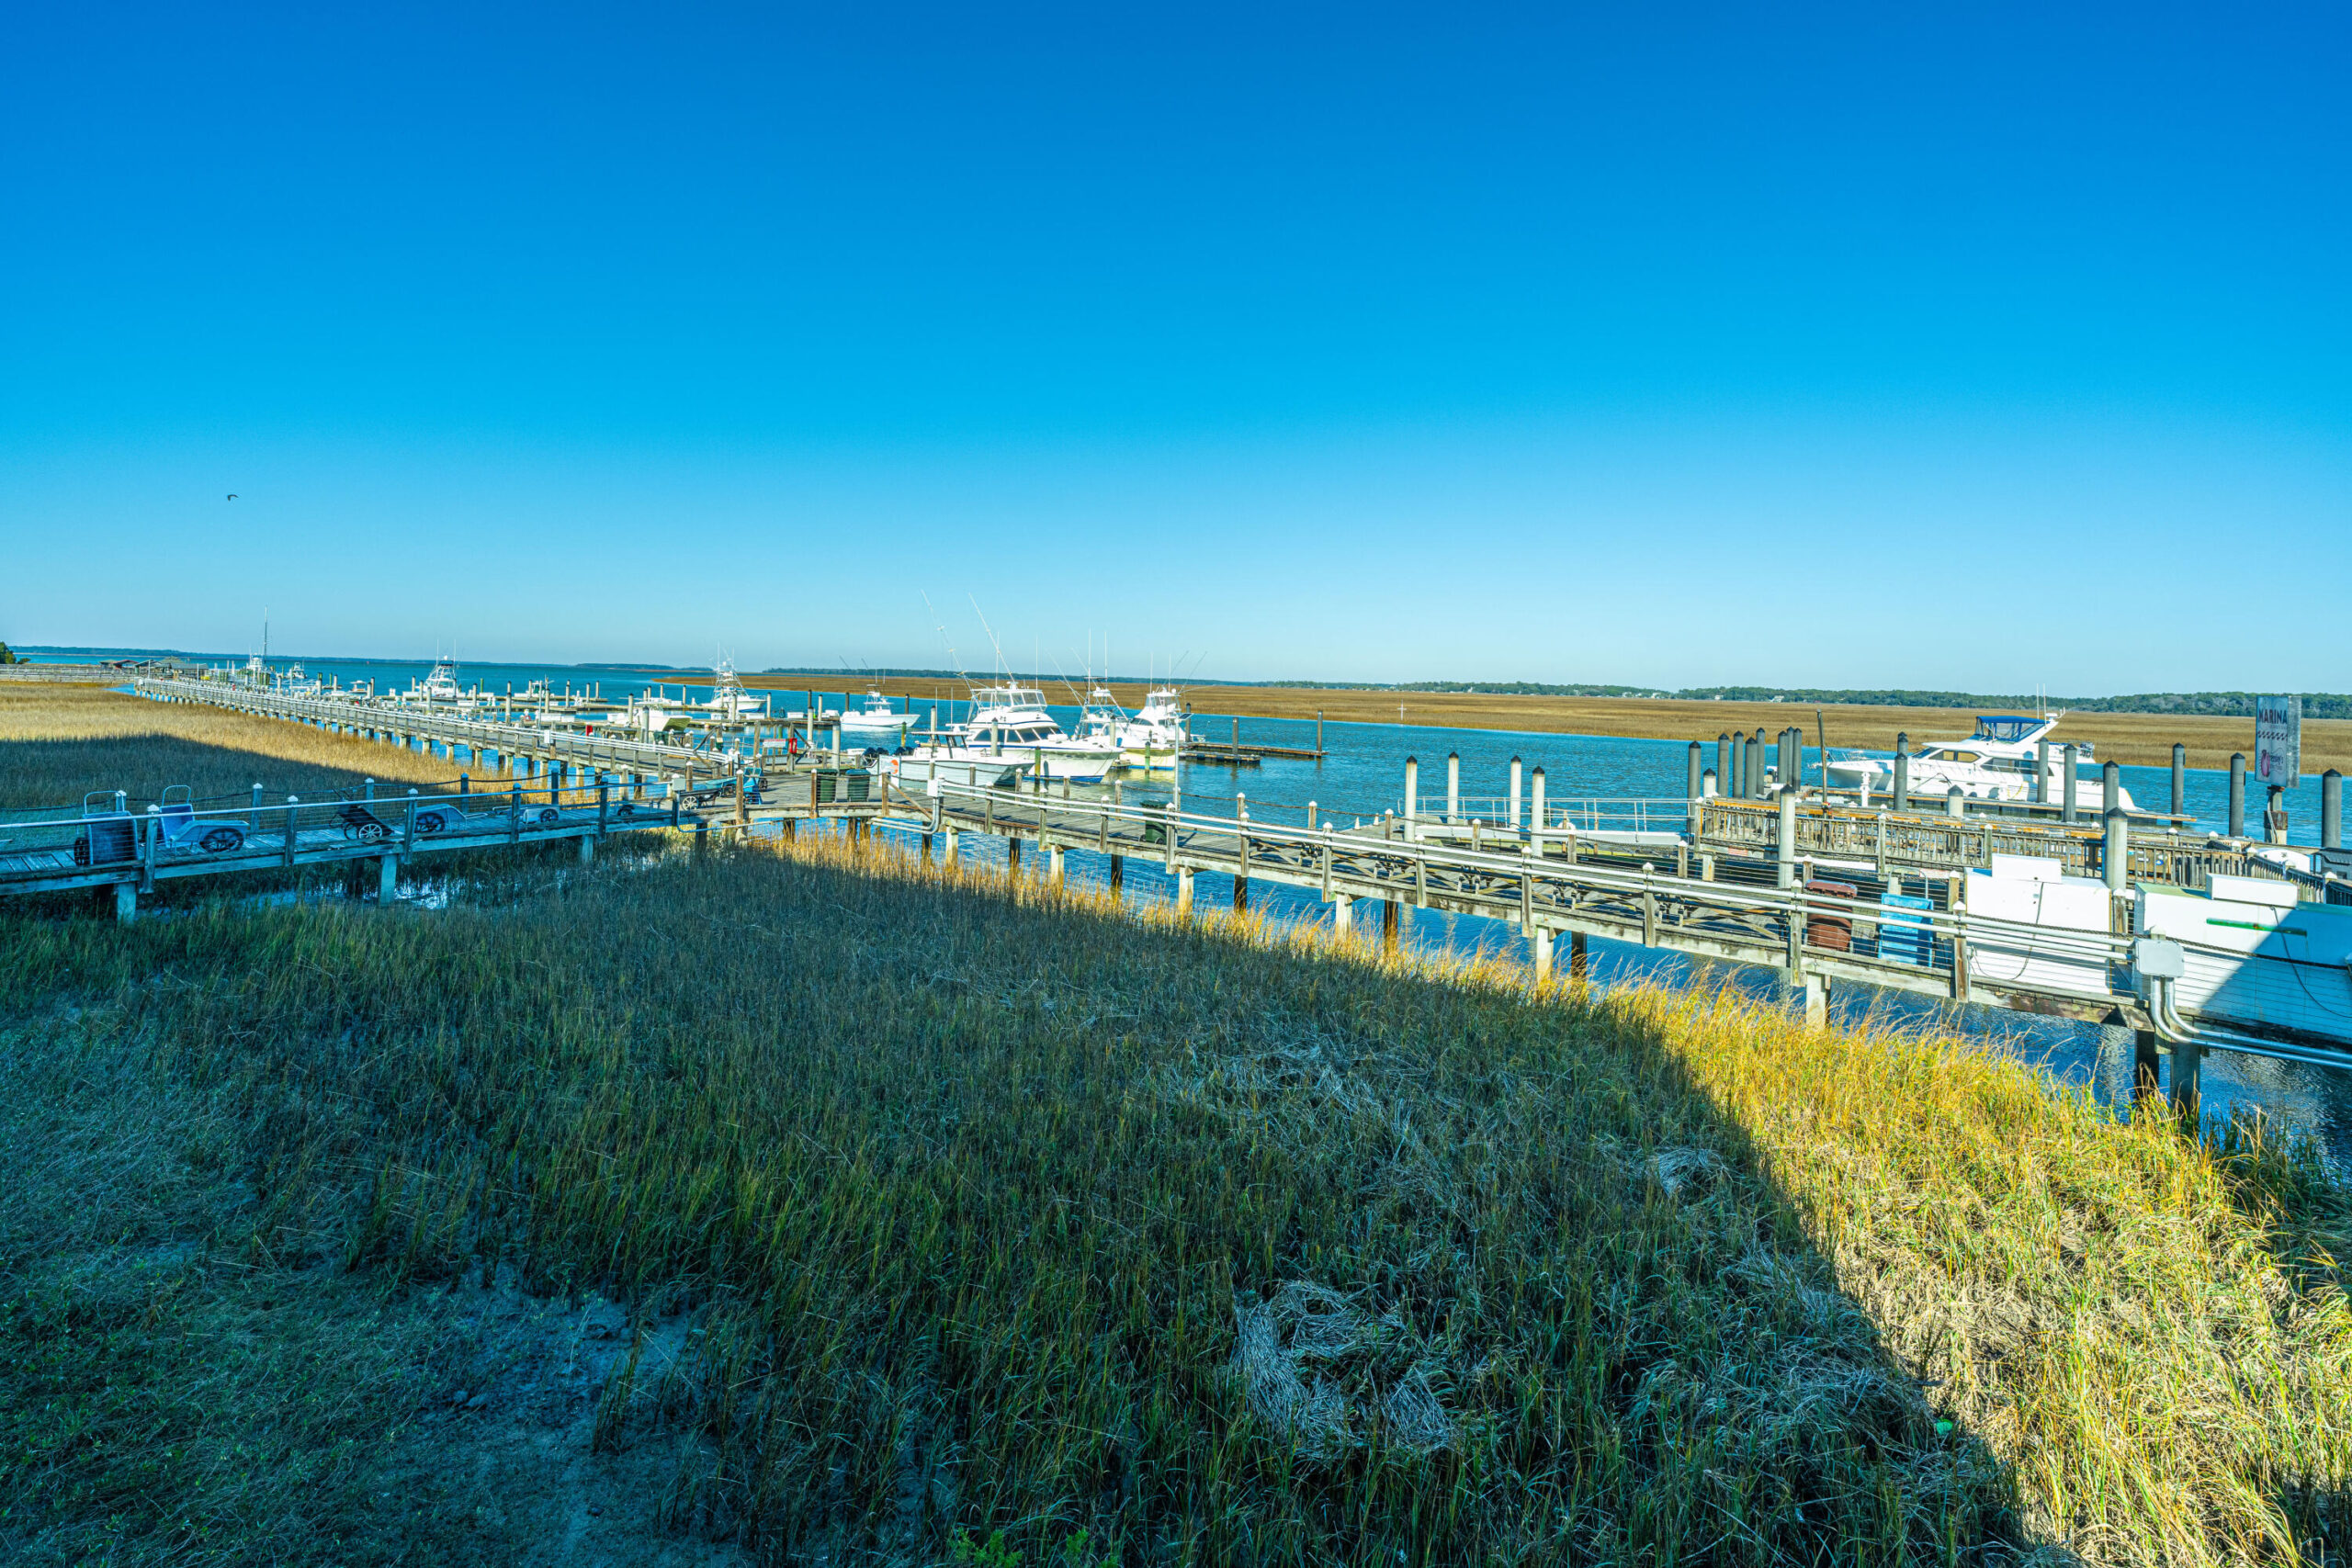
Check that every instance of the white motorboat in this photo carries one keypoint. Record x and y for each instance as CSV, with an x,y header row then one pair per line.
x,y
648,714
1010,725
877,723
936,764
1154,737
1997,762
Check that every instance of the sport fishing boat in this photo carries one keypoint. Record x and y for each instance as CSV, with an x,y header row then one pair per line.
x,y
1100,718
1011,727
1997,762
877,723
440,690
729,702
1154,737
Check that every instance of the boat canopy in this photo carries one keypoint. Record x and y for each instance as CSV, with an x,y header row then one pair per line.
x,y
2008,727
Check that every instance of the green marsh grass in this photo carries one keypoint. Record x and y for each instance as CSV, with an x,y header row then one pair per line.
x,y
1001,1210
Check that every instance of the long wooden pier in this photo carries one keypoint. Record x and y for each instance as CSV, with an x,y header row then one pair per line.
x,y
1760,901
523,751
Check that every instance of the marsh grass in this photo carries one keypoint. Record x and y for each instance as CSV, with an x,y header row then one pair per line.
x,y
59,741
998,1210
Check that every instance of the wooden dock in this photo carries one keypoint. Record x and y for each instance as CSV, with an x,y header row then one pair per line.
x,y
1734,887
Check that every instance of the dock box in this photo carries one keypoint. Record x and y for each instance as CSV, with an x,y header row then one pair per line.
x,y
1823,929
2251,962
1902,934
2051,939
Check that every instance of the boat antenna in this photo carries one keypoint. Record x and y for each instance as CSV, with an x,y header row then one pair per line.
x,y
942,626
991,634
1064,675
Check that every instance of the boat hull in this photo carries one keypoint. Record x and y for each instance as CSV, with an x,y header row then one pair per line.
x,y
978,773
1927,782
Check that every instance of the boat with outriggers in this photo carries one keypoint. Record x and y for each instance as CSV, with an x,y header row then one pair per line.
x,y
1010,733
1153,739
732,703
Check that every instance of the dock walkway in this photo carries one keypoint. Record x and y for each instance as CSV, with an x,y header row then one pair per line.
x,y
1728,890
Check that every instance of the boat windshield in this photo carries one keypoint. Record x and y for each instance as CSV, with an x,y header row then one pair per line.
x,y
2007,729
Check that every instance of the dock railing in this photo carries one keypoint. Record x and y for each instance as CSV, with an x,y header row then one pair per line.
x,y
476,734
1590,814
1917,945
1930,839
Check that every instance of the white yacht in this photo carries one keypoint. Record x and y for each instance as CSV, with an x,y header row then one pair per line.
x,y
877,723
440,688
1010,726
729,702
1100,718
1154,737
1997,762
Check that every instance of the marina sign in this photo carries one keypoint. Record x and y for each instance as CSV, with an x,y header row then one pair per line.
x,y
2278,740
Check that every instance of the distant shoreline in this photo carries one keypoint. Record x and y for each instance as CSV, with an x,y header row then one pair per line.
x,y
2139,738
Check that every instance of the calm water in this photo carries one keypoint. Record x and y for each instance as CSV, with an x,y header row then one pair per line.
x,y
1363,774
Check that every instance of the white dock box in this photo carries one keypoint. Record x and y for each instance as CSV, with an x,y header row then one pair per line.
x,y
2257,963
2057,930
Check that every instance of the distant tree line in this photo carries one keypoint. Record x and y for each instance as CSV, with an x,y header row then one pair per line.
x,y
2316,705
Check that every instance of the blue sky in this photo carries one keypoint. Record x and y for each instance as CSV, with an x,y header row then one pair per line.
x,y
1924,345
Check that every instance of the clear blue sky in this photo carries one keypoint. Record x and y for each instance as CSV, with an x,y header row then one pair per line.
x,y
1933,345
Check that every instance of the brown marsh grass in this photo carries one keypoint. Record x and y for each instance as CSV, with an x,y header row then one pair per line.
x,y
59,741
1002,1210
2141,738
